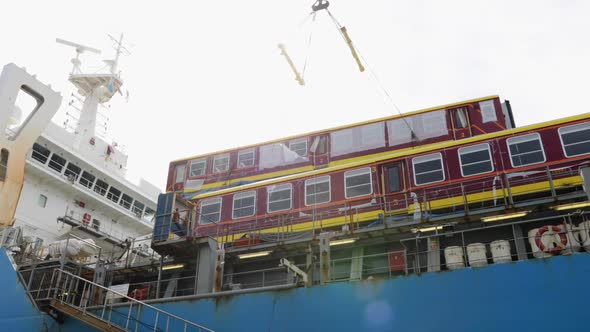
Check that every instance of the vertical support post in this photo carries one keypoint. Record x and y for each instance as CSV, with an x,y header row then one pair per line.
x,y
310,266
356,264
159,277
551,184
519,242
433,256
510,199
325,273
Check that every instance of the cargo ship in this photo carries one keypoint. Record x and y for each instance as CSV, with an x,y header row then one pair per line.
x,y
448,218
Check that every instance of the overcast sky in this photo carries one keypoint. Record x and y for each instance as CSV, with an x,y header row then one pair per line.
x,y
207,75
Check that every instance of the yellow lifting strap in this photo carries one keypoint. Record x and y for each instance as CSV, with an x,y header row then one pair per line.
x,y
352,50
291,64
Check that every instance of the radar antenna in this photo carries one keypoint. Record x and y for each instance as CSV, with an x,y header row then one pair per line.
x,y
79,50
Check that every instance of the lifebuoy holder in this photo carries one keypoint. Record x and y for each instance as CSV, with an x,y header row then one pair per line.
x,y
555,229
86,218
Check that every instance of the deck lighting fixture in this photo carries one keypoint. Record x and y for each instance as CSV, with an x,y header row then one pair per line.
x,y
505,216
172,267
571,206
254,254
427,229
343,241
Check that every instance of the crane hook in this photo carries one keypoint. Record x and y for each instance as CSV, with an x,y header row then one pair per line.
x,y
319,5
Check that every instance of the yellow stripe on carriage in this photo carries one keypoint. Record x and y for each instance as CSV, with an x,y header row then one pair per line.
x,y
432,205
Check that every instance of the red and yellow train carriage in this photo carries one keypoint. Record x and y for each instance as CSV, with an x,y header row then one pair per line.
x,y
470,178
337,146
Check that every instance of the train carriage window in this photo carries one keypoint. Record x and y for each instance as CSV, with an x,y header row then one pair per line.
x,y
525,150
299,146
246,158
279,197
358,182
475,159
394,183
221,163
575,139
244,204
197,167
399,131
488,111
341,142
428,169
180,173
317,190
433,124
210,211
460,118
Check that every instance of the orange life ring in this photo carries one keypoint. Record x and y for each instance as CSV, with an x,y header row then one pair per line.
x,y
554,250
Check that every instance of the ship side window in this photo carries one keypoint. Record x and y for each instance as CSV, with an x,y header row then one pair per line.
x,y
475,159
221,163
525,150
72,172
87,179
40,153
197,168
210,211
3,164
114,194
57,163
101,187
279,197
358,182
138,208
428,169
148,215
244,204
317,190
180,173
575,139
42,201
246,158
126,201
96,224
299,146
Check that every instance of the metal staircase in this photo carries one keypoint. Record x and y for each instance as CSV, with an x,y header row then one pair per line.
x,y
67,294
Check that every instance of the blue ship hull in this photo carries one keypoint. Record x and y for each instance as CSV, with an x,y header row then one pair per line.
x,y
534,295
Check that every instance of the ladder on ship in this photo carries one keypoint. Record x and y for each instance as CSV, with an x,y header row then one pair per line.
x,y
69,295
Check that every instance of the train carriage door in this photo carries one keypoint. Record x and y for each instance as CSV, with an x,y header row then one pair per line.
x,y
460,123
394,186
319,151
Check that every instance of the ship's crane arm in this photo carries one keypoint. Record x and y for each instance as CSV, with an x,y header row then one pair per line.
x,y
17,139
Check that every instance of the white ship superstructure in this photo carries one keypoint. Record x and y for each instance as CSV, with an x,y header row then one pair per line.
x,y
75,181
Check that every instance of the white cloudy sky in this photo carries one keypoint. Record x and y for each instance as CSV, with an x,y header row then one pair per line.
x,y
207,75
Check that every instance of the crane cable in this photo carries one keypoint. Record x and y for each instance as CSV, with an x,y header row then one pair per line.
x,y
313,14
358,57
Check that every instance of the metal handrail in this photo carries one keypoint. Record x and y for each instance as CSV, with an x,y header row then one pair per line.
x,y
129,299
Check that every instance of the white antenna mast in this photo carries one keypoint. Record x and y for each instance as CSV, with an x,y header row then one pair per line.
x,y
120,50
79,50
